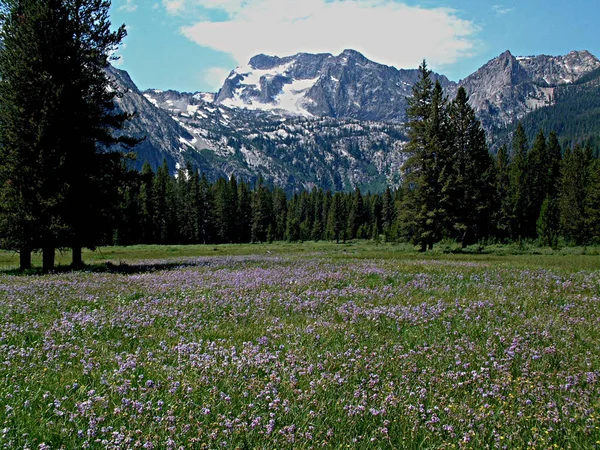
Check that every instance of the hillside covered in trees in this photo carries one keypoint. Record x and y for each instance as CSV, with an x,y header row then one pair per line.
x,y
60,186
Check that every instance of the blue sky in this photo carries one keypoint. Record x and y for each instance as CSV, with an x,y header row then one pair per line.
x,y
191,45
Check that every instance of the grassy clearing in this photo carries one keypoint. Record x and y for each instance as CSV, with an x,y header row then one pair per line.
x,y
303,346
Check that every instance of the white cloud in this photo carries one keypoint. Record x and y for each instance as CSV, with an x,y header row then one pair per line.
x,y
129,6
214,77
385,31
174,6
501,10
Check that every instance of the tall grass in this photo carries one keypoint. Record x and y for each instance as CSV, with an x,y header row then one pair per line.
x,y
303,346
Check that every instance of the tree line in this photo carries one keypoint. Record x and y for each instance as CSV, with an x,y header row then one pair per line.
x,y
61,186
453,188
57,120
523,193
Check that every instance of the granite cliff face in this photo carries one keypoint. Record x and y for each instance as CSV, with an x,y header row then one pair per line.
x,y
346,86
507,88
293,152
321,120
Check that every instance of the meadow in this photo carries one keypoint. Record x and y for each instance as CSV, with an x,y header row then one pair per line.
x,y
303,346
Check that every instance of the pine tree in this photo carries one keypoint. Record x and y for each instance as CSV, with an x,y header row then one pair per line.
x,y
538,169
56,113
388,214
554,155
518,185
206,212
336,218
262,213
548,223
592,202
244,214
164,206
423,213
572,195
356,215
280,212
503,211
467,186
146,200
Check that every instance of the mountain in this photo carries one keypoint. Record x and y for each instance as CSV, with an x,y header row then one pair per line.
x,y
347,86
294,152
574,114
335,121
507,88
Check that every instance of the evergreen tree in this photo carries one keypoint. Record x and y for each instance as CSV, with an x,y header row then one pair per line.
x,y
319,220
548,226
423,213
538,171
554,155
262,213
388,214
468,181
592,202
503,211
280,212
56,110
164,207
518,196
572,195
206,212
335,218
356,215
244,214
146,201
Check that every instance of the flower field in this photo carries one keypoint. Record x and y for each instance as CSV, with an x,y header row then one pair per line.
x,y
302,351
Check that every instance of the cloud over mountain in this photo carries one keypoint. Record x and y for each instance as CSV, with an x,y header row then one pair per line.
x,y
388,31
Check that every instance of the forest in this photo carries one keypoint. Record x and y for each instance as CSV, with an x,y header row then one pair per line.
x,y
453,189
62,187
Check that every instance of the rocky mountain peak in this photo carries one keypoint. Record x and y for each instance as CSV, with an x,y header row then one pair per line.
x,y
508,87
344,86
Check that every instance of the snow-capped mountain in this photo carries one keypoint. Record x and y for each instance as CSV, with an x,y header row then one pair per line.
x,y
322,120
507,88
323,85
293,152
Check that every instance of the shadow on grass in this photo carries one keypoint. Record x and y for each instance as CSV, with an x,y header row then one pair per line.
x,y
109,267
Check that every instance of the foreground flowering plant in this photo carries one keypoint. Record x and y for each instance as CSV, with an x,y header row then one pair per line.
x,y
301,352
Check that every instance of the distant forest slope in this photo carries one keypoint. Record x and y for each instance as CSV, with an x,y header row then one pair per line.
x,y
575,115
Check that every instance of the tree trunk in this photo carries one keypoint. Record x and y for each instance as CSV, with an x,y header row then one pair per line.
x,y
77,261
48,259
24,259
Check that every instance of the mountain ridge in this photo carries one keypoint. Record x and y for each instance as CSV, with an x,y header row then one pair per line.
x,y
344,125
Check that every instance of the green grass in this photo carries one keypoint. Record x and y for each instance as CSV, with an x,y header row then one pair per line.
x,y
312,345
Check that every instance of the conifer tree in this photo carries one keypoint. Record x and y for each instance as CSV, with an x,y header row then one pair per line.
x,y
572,195
468,181
592,202
538,171
244,213
503,212
554,155
164,206
336,218
262,213
423,213
146,202
356,215
548,223
56,112
518,196
388,214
